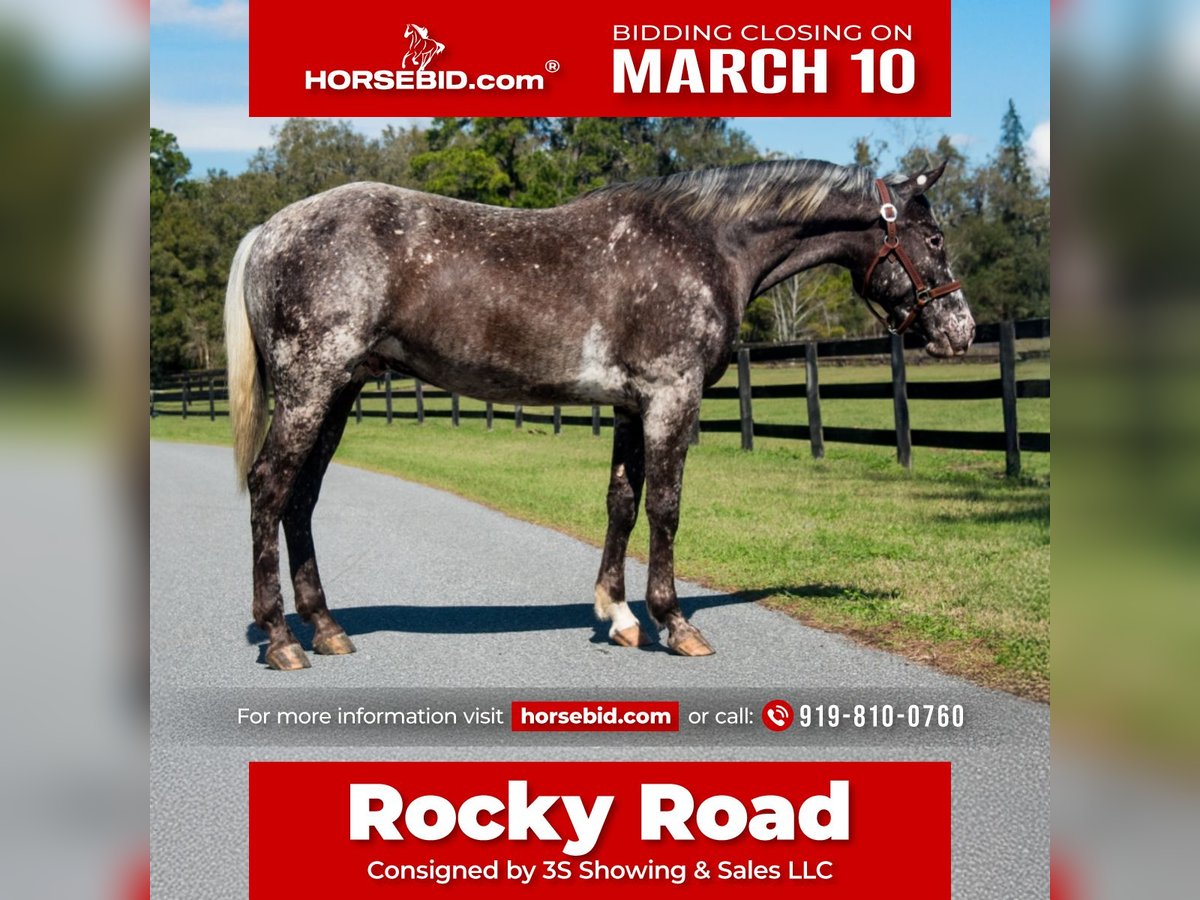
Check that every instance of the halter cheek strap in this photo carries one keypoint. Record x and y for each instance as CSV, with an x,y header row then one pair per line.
x,y
891,246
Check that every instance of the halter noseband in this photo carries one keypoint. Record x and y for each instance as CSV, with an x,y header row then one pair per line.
x,y
891,244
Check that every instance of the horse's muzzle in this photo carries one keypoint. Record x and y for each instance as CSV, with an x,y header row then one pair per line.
x,y
949,327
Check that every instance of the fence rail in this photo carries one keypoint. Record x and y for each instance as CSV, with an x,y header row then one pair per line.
x,y
197,394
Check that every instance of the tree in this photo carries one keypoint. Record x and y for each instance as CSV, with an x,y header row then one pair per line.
x,y
697,142
397,149
758,323
868,152
172,229
1001,239
311,155
467,173
792,304
1012,164
580,155
816,304
169,168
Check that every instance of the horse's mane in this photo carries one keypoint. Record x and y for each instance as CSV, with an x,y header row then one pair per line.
x,y
423,32
788,186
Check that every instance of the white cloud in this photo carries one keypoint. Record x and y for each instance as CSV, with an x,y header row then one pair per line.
x,y
230,18
228,126
1039,148
211,126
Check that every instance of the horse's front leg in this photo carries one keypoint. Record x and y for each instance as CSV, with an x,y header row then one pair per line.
x,y
624,497
667,423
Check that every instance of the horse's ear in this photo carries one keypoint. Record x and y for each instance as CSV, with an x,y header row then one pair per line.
x,y
914,185
926,180
922,181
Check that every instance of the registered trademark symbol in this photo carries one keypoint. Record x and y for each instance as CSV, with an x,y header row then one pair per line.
x,y
552,65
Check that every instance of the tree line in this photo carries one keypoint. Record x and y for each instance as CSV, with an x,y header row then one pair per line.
x,y
996,214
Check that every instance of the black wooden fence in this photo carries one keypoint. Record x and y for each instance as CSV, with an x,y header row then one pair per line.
x,y
197,393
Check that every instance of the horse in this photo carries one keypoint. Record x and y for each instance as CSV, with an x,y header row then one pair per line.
x,y
629,296
421,48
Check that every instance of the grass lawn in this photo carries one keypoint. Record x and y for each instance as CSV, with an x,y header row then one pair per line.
x,y
948,564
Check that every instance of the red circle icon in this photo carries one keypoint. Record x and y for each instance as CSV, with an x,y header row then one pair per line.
x,y
777,715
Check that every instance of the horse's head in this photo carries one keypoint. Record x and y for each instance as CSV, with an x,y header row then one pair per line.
x,y
902,267
410,30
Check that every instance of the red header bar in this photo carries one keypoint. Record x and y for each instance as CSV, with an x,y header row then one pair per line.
x,y
378,58
595,715
539,829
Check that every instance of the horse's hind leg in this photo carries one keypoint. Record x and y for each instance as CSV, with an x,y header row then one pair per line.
x,y
624,497
329,637
295,427
668,421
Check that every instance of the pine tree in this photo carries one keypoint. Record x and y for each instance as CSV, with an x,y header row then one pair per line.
x,y
1012,165
1003,252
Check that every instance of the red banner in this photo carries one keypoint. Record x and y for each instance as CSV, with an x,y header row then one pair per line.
x,y
541,829
377,58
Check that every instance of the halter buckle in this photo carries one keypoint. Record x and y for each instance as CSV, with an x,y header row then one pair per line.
x,y
889,212
924,295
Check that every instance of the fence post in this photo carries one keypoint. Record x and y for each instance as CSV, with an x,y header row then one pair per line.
x,y
153,412
518,417
490,414
358,407
387,395
454,410
1008,397
420,392
212,403
900,404
558,420
812,392
595,420
185,396
745,409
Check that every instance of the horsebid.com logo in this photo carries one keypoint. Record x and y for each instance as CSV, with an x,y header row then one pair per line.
x,y
414,74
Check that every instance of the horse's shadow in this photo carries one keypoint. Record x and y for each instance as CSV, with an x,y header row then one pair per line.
x,y
503,618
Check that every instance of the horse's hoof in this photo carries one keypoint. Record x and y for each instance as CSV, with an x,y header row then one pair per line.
x,y
633,636
288,658
693,644
337,644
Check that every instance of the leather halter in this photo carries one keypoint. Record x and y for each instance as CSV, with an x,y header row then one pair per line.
x,y
891,245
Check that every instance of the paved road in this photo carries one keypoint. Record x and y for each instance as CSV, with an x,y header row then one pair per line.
x,y
442,594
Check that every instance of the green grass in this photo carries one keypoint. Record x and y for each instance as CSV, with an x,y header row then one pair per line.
x,y
948,563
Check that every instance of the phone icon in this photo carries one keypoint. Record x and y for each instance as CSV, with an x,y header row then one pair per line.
x,y
777,715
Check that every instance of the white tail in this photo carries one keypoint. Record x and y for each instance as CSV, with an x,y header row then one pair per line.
x,y
247,392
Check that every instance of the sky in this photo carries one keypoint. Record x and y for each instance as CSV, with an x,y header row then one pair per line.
x,y
1001,49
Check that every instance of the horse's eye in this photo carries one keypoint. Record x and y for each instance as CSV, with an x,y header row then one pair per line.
x,y
934,241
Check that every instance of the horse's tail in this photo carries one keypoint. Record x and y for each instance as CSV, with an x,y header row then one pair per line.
x,y
247,387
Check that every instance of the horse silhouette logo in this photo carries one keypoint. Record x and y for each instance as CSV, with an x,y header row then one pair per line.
x,y
421,47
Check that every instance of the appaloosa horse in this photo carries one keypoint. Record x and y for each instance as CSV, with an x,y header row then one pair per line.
x,y
630,296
